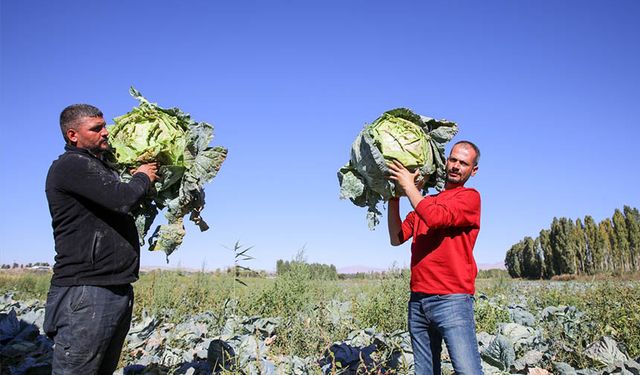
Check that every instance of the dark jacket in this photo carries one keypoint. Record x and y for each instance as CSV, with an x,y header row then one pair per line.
x,y
95,237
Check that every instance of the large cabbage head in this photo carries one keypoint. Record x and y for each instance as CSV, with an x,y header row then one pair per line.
x,y
400,139
180,145
399,134
146,134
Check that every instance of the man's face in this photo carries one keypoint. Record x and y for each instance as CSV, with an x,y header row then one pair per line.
x,y
90,133
460,165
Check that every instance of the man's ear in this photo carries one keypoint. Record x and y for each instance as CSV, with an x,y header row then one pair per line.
x,y
72,135
474,170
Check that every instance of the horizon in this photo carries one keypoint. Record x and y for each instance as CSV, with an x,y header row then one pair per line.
x,y
547,91
349,270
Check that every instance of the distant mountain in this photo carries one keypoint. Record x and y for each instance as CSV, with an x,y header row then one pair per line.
x,y
491,266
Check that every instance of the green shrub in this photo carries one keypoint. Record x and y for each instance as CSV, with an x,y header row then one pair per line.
x,y
384,304
26,284
489,314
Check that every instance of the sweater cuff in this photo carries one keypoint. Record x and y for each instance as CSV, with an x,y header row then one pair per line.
x,y
146,179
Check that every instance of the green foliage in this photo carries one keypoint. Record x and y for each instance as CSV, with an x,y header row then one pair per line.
x,y
579,241
26,284
493,273
632,220
621,236
180,145
573,248
513,259
563,249
501,285
610,309
399,134
607,242
385,305
316,271
547,256
594,251
240,255
299,300
489,314
316,313
531,267
182,293
618,316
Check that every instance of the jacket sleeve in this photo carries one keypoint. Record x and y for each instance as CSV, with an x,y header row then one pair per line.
x,y
89,178
459,210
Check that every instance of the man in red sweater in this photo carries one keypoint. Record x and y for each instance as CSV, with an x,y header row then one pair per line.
x,y
443,228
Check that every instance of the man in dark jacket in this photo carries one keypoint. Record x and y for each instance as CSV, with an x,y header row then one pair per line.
x,y
90,300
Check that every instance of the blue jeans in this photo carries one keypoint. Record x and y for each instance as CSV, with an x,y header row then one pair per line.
x,y
88,325
433,318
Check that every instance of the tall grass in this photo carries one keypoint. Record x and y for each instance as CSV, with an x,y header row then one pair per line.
x,y
304,305
25,284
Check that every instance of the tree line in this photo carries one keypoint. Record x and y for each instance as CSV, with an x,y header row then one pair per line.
x,y
315,271
28,265
580,247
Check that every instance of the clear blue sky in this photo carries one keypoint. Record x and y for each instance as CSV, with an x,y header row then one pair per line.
x,y
549,90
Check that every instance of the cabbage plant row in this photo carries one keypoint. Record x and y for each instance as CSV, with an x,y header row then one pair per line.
x,y
523,327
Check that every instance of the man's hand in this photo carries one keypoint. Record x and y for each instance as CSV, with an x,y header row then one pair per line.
x,y
150,169
406,181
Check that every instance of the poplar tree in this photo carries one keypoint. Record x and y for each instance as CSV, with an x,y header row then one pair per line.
x,y
547,256
539,254
632,219
594,252
512,260
526,255
563,250
568,247
530,267
570,262
605,241
621,241
558,244
579,242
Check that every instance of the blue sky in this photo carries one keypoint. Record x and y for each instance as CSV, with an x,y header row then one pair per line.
x,y
548,90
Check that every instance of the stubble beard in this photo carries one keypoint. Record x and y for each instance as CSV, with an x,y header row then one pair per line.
x,y
458,180
101,148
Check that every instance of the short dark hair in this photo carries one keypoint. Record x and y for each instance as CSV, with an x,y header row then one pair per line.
x,y
73,113
475,148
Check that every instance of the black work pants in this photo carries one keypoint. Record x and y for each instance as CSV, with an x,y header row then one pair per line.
x,y
88,325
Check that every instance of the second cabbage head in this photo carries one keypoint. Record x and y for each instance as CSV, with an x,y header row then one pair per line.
x,y
399,134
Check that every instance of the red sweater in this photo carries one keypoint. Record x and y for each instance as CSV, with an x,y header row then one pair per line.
x,y
444,228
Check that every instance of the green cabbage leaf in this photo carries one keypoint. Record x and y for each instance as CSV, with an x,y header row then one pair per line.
x,y
416,141
168,136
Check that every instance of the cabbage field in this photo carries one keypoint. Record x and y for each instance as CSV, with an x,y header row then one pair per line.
x,y
203,323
